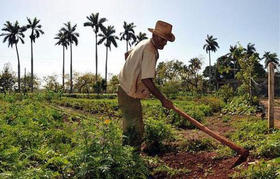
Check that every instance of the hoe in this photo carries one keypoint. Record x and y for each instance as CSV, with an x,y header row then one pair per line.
x,y
241,151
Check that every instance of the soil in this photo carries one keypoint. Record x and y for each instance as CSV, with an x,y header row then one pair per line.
x,y
202,164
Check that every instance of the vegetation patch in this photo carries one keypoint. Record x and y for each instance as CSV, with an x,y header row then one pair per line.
x,y
261,169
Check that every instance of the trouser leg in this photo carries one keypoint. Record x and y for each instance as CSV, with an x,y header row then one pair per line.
x,y
133,126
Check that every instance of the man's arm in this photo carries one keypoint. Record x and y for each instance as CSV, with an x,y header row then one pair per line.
x,y
148,82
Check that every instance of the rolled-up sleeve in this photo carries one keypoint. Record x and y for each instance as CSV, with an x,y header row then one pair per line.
x,y
148,66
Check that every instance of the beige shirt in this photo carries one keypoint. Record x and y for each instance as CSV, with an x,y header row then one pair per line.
x,y
140,64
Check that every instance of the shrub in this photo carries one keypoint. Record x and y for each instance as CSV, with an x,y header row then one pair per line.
x,y
215,104
271,146
170,89
252,133
156,133
226,93
91,96
240,105
195,145
261,170
102,154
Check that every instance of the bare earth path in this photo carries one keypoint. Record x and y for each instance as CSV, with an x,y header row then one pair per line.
x,y
276,111
203,164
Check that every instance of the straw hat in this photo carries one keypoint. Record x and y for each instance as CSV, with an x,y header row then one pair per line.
x,y
163,29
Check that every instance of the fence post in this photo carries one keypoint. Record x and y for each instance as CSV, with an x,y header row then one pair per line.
x,y
271,95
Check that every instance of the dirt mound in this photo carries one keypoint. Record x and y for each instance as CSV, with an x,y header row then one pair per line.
x,y
201,165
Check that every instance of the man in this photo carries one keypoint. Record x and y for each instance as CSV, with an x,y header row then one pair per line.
x,y
136,82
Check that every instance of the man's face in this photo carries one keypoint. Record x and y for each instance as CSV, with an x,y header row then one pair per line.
x,y
159,42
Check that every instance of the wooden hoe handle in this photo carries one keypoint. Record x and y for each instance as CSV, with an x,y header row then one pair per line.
x,y
213,134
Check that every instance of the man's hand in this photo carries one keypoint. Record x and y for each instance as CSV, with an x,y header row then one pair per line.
x,y
167,104
153,89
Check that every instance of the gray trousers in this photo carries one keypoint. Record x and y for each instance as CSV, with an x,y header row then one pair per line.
x,y
133,125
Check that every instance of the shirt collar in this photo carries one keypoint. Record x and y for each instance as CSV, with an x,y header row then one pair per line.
x,y
156,50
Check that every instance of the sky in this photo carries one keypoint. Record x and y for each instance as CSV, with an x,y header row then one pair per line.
x,y
230,21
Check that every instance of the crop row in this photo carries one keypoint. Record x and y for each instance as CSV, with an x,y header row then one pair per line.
x,y
151,108
40,142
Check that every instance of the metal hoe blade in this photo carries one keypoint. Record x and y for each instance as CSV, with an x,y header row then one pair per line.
x,y
241,159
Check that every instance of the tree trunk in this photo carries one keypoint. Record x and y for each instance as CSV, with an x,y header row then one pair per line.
x,y
71,82
209,58
24,82
18,69
96,57
210,71
106,68
234,70
270,95
31,66
63,67
127,45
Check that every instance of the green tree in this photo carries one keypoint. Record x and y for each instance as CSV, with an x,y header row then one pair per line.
x,y
128,34
51,83
226,67
72,37
247,73
169,71
84,83
211,45
95,23
27,79
35,33
62,40
113,84
234,55
108,38
250,50
194,67
258,69
13,33
270,58
7,79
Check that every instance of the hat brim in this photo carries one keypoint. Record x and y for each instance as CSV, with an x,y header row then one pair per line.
x,y
170,37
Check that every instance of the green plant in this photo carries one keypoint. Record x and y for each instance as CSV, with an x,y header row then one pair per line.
x,y
156,133
226,93
261,170
102,155
226,118
240,105
252,133
215,103
195,145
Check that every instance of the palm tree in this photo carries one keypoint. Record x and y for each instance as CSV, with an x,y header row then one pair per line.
x,y
270,58
35,33
128,34
141,36
195,66
14,34
61,37
211,45
250,49
95,23
233,55
72,37
109,38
